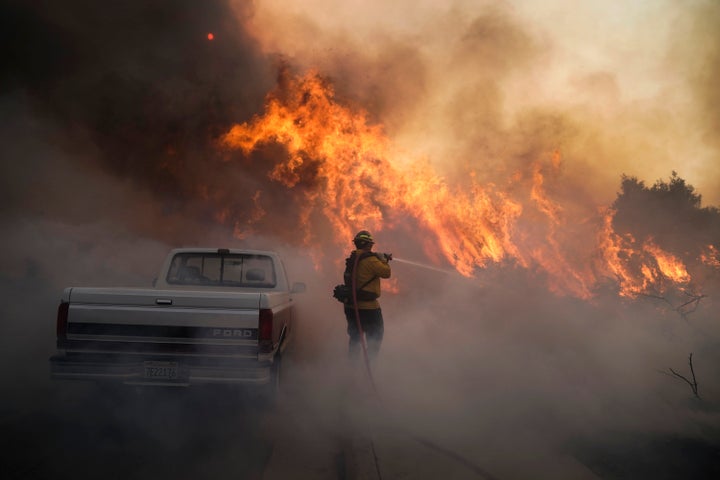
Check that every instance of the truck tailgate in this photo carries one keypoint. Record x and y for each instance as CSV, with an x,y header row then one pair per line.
x,y
134,316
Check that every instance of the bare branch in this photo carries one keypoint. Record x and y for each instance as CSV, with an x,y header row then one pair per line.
x,y
694,301
683,377
681,310
692,371
650,295
693,384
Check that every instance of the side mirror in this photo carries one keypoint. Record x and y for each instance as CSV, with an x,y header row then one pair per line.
x,y
298,287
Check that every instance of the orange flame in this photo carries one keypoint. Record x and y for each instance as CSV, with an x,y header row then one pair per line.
x,y
639,270
351,160
563,276
343,166
711,256
668,265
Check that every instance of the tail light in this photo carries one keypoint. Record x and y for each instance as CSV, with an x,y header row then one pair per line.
x,y
265,330
62,321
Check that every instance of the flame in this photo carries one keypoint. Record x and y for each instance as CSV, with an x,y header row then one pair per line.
x,y
549,255
668,265
614,250
639,270
711,256
345,168
337,148
326,142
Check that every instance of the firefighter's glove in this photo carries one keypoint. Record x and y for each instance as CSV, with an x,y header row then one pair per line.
x,y
385,257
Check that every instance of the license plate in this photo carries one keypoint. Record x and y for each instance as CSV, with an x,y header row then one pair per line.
x,y
161,370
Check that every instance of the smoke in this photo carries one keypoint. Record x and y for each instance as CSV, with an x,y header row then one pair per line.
x,y
111,157
496,84
137,93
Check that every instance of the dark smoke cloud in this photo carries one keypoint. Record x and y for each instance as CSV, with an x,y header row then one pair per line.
x,y
134,91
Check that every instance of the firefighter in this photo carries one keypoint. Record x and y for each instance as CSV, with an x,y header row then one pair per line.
x,y
370,268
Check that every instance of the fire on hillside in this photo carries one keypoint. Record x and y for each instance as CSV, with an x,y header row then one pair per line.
x,y
348,173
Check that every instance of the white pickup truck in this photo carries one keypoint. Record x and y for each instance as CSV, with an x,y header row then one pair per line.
x,y
213,316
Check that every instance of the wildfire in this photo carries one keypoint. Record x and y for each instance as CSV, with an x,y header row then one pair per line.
x,y
639,269
330,145
344,167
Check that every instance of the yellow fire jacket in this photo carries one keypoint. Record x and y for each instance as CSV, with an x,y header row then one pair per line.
x,y
368,268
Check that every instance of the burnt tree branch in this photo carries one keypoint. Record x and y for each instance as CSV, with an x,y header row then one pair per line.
x,y
692,304
693,384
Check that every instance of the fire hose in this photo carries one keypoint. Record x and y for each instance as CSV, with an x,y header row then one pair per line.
x,y
363,343
423,441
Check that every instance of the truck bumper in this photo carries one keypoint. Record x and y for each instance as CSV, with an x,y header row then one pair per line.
x,y
161,371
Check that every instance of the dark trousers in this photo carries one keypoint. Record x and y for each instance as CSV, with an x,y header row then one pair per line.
x,y
372,325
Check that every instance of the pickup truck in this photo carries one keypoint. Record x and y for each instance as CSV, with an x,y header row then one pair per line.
x,y
217,316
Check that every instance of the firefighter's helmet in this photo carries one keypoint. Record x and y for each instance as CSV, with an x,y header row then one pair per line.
x,y
363,238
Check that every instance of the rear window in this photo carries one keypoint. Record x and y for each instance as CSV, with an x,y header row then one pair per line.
x,y
222,270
